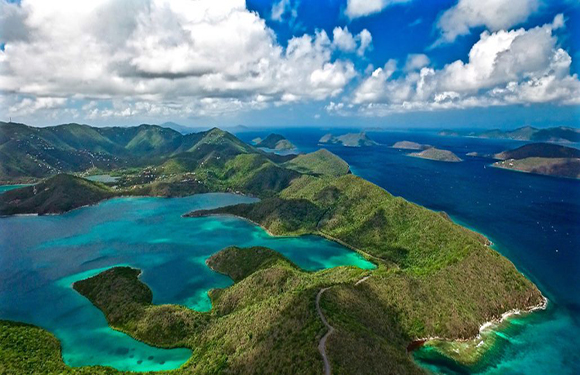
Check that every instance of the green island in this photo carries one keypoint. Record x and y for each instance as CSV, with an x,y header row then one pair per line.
x,y
408,145
541,158
436,154
348,140
274,142
434,278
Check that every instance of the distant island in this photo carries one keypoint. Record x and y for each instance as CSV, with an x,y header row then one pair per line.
x,y
408,145
348,140
560,134
542,158
437,154
274,142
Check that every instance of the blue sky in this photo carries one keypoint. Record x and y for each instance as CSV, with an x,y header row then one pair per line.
x,y
351,63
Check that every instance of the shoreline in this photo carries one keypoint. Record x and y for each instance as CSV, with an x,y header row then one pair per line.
x,y
495,322
318,234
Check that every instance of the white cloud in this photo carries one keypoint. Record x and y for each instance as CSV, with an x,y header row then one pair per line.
x,y
505,67
495,15
362,8
217,54
344,41
416,62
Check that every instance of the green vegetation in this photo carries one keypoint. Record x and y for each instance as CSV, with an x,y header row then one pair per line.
x,y
275,142
437,155
321,162
58,194
26,349
349,140
265,323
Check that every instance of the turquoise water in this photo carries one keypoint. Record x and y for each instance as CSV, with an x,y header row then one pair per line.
x,y
40,257
533,220
5,188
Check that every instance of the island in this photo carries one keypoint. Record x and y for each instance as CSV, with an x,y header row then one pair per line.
x,y
542,158
432,277
437,155
408,145
274,142
348,140
559,134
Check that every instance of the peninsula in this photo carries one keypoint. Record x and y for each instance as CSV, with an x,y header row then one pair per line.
x,y
542,158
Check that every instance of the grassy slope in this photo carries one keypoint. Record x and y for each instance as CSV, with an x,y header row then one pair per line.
x,y
321,162
57,194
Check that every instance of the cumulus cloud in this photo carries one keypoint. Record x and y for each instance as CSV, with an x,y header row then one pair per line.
x,y
505,67
346,42
167,53
362,8
495,15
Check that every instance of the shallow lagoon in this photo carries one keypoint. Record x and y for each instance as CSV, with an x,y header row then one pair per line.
x,y
40,258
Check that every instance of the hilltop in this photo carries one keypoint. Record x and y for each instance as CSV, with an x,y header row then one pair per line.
x,y
349,140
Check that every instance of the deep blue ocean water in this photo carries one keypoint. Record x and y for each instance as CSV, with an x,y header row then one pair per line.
x,y
533,220
40,258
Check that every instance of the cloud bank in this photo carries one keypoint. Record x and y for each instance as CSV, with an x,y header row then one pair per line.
x,y
504,68
191,56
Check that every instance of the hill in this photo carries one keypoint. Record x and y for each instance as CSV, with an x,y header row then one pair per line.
x,y
275,142
437,154
58,194
42,152
321,162
539,150
349,140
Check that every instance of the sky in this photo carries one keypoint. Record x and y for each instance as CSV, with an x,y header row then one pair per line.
x,y
291,63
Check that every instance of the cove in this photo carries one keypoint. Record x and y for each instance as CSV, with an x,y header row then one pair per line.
x,y
40,258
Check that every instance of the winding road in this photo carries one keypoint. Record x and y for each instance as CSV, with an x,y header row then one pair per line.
x,y
322,343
